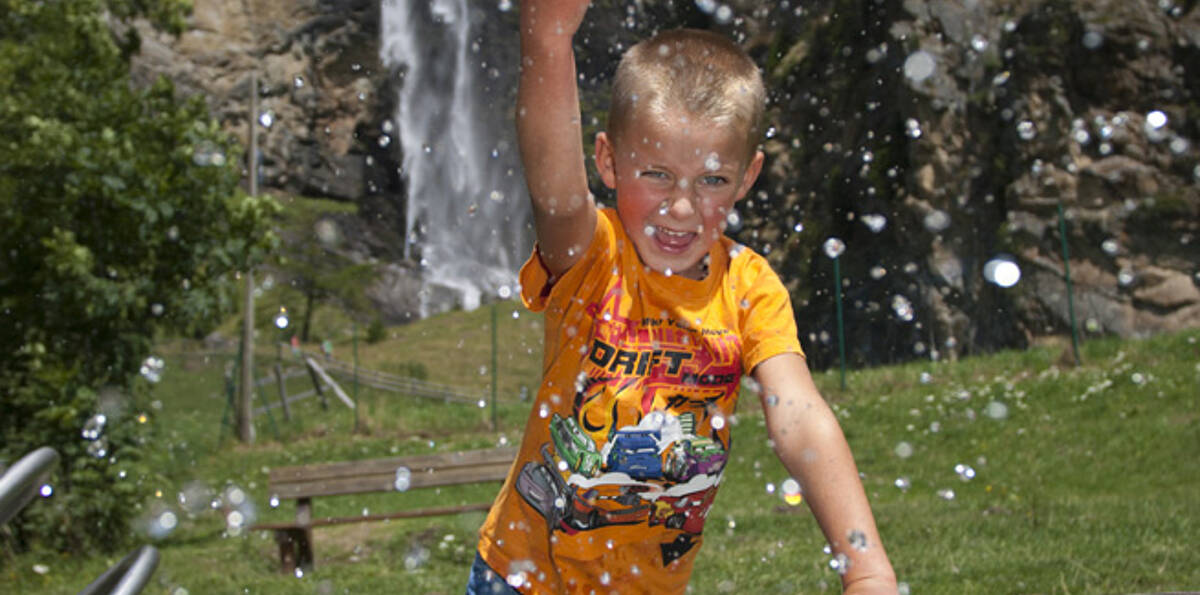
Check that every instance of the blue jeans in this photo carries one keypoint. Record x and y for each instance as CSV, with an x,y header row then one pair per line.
x,y
485,581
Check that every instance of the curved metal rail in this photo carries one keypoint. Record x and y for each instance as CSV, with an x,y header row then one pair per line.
x,y
127,577
18,485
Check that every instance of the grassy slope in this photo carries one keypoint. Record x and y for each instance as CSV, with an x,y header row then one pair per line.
x,y
1089,485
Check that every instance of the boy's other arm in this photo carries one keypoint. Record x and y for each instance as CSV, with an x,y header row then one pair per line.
x,y
549,132
810,443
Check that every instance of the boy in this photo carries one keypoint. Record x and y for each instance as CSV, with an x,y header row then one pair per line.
x,y
652,316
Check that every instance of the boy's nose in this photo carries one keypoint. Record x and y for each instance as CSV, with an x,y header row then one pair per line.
x,y
683,203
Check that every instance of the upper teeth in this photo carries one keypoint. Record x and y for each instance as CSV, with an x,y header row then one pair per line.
x,y
669,232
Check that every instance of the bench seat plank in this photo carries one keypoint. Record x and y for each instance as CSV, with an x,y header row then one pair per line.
x,y
386,481
414,463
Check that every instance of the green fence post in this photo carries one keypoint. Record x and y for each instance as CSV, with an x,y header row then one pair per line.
x,y
494,372
1062,234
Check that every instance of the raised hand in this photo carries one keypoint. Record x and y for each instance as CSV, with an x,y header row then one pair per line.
x,y
552,17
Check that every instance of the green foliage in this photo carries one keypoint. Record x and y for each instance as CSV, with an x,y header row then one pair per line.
x,y
317,263
119,217
376,332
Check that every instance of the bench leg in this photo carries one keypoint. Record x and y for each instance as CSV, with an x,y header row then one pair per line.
x,y
295,549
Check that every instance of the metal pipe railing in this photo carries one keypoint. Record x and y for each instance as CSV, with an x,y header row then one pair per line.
x,y
127,577
19,484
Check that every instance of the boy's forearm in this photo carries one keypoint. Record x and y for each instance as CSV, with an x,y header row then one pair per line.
x,y
810,444
815,452
548,120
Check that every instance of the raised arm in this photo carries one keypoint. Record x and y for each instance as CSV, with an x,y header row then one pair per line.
x,y
811,446
549,131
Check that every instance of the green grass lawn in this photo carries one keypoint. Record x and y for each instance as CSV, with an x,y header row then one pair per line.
x,y
1086,479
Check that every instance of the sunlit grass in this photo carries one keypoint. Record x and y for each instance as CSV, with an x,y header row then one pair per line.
x,y
1088,482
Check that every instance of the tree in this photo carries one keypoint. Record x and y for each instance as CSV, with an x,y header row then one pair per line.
x,y
120,216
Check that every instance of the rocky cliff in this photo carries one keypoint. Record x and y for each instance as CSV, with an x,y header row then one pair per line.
x,y
929,136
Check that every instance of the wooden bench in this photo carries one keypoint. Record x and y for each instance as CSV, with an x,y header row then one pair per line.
x,y
302,483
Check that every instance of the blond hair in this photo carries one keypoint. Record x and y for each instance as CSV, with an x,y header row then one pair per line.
x,y
703,74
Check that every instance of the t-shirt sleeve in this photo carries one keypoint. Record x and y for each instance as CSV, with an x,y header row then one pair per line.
x,y
768,324
539,289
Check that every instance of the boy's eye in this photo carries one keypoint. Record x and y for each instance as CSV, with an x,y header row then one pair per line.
x,y
654,175
713,180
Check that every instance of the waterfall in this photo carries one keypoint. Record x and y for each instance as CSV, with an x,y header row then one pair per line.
x,y
467,212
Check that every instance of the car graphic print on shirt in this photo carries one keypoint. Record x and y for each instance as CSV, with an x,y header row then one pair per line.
x,y
637,444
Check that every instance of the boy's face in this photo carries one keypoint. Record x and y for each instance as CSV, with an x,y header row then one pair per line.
x,y
676,180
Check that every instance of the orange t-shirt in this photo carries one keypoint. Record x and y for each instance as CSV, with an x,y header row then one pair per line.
x,y
628,437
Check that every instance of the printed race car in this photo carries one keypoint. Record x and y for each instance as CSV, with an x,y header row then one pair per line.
x,y
694,456
586,511
686,513
635,453
544,489
574,446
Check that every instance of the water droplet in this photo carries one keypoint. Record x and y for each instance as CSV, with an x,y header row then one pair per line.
x,y
979,43
99,448
926,377
648,230
384,141
799,227
996,410
902,307
46,490
733,219
1156,119
718,422
945,494
274,501
1026,130
936,221
875,222
1093,40
41,568
94,426
903,450
791,492
919,65
1110,247
403,479
840,563
1137,378
724,14
902,483
965,472
504,5
1002,271
707,6
152,369
267,119
857,539
912,128
834,247
1126,277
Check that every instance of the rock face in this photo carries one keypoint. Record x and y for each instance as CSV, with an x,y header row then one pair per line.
x,y
931,136
322,91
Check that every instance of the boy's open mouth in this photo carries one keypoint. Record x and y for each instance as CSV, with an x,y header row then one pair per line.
x,y
673,241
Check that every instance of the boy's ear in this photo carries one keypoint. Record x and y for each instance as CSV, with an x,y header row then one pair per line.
x,y
751,174
605,163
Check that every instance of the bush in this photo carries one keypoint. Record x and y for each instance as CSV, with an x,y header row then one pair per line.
x,y
376,332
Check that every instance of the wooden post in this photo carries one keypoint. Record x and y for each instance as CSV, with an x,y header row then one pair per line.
x,y
312,373
283,402
245,411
